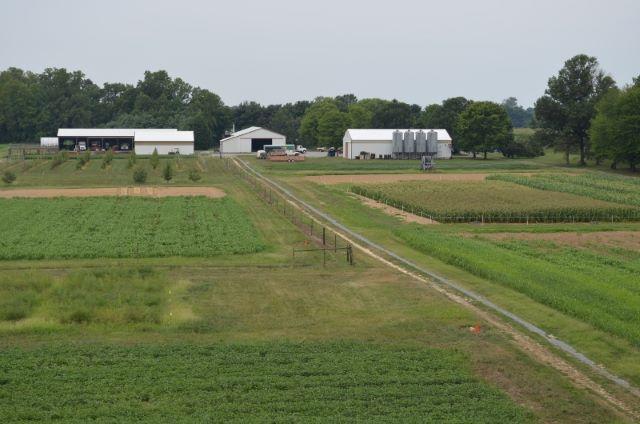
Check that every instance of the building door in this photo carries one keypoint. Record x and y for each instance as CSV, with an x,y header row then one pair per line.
x,y
259,143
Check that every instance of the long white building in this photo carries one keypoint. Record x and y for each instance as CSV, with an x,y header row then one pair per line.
x,y
380,142
142,141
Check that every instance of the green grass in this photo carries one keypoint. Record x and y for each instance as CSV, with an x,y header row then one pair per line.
x,y
319,166
124,227
128,296
237,341
271,382
492,201
611,188
602,291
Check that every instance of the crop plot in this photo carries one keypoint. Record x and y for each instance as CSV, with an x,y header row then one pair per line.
x,y
492,201
601,287
124,227
611,188
269,382
119,297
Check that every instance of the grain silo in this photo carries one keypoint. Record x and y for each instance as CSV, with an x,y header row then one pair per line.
x,y
421,142
409,142
432,142
397,147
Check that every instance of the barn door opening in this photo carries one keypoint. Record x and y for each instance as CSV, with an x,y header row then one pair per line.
x,y
259,143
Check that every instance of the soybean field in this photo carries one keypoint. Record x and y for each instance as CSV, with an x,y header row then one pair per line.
x,y
326,381
124,227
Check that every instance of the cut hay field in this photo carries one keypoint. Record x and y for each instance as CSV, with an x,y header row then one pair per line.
x,y
124,227
492,201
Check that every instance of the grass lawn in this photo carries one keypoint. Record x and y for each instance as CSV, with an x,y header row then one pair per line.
x,y
320,166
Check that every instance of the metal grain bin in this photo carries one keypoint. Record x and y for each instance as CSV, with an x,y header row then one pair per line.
x,y
409,142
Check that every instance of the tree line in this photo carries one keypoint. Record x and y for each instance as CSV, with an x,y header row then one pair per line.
x,y
33,105
581,112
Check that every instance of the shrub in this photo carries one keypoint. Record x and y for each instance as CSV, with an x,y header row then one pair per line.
x,y
83,160
8,177
58,159
132,160
155,159
140,175
167,173
194,175
107,159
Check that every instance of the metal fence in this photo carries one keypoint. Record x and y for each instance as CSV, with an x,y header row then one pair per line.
x,y
332,245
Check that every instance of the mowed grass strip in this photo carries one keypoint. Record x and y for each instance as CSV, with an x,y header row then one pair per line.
x,y
124,227
333,165
611,188
604,292
266,382
492,201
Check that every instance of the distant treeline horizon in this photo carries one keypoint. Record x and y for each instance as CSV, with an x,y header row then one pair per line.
x,y
34,105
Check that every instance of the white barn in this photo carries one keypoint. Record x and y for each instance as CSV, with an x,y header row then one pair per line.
x,y
380,142
165,142
250,140
143,141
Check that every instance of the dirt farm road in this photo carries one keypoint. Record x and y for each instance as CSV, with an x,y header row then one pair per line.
x,y
113,191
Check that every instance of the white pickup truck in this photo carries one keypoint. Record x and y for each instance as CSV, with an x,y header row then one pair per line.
x,y
301,149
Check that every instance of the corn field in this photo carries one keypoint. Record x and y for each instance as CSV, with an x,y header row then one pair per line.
x,y
493,201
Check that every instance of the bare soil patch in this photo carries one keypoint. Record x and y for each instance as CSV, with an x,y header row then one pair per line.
x,y
390,210
624,239
114,191
391,178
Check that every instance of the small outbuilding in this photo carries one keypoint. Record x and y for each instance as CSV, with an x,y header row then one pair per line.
x,y
250,140
380,142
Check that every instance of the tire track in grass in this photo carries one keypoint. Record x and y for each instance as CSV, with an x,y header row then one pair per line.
x,y
445,287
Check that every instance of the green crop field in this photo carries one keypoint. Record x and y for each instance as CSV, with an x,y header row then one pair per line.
x,y
286,382
124,227
602,288
492,201
608,187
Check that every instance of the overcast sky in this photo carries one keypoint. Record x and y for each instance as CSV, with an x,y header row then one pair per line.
x,y
285,50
